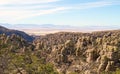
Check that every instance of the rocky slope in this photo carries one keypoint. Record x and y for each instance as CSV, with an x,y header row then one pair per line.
x,y
60,53
18,56
20,33
82,53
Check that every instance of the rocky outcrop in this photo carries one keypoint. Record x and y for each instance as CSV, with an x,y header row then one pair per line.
x,y
81,53
84,54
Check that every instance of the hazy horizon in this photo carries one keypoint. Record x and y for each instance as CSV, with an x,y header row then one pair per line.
x,y
71,15
43,29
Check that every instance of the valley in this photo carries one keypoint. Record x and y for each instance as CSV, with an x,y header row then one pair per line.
x,y
60,53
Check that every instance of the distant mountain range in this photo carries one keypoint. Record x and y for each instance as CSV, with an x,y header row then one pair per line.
x,y
20,33
36,26
50,28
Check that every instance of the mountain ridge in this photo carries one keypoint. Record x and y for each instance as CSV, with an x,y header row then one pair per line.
x,y
17,32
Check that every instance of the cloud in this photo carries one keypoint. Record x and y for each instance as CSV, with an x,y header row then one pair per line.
x,y
43,12
14,10
26,7
22,14
2,2
101,3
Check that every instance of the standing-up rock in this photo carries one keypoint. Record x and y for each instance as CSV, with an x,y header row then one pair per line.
x,y
103,64
110,66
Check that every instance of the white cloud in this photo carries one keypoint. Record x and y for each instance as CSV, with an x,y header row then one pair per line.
x,y
96,4
31,7
2,2
18,12
43,12
22,14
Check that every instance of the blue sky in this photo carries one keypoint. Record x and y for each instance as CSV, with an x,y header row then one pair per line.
x,y
61,12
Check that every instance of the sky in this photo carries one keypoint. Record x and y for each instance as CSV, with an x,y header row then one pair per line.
x,y
61,12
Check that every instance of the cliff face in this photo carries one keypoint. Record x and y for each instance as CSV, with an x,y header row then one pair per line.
x,y
83,53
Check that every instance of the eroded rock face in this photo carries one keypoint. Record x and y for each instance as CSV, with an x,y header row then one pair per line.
x,y
110,66
85,54
88,55
82,53
103,63
91,54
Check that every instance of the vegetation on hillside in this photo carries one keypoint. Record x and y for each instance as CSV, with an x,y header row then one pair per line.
x,y
61,53
88,53
17,56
